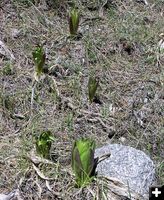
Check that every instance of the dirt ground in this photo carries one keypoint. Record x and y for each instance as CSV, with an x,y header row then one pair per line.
x,y
119,44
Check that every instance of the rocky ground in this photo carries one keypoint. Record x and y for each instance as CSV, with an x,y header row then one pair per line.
x,y
120,46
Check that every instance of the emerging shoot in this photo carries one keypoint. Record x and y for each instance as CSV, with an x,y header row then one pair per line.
x,y
43,144
39,60
83,162
92,88
74,17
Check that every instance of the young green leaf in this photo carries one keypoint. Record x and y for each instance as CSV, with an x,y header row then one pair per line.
x,y
43,143
92,87
83,162
39,60
74,18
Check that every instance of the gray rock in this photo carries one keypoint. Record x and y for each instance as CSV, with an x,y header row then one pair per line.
x,y
4,51
131,166
15,33
7,196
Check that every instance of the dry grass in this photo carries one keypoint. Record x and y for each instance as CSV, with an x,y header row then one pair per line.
x,y
120,47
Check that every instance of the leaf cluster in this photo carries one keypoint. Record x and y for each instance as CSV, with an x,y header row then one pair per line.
x,y
39,60
43,144
83,162
74,18
92,88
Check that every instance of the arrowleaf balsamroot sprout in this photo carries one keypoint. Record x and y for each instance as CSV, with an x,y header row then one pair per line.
x,y
39,60
74,17
43,144
92,88
83,162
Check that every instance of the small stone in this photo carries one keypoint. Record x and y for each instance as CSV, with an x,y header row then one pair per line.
x,y
4,51
143,1
111,134
122,139
15,33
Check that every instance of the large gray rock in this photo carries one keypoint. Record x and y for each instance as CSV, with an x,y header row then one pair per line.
x,y
129,165
7,196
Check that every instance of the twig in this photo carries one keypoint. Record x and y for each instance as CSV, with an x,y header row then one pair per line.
x,y
37,160
55,85
32,95
51,190
103,157
40,174
39,188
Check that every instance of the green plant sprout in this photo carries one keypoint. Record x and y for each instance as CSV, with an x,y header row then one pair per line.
x,y
39,60
41,71
43,144
83,162
74,18
92,88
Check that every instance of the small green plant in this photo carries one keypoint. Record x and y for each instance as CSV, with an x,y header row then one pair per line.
x,y
39,60
92,88
8,102
8,70
43,144
83,162
25,2
91,52
74,17
69,121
